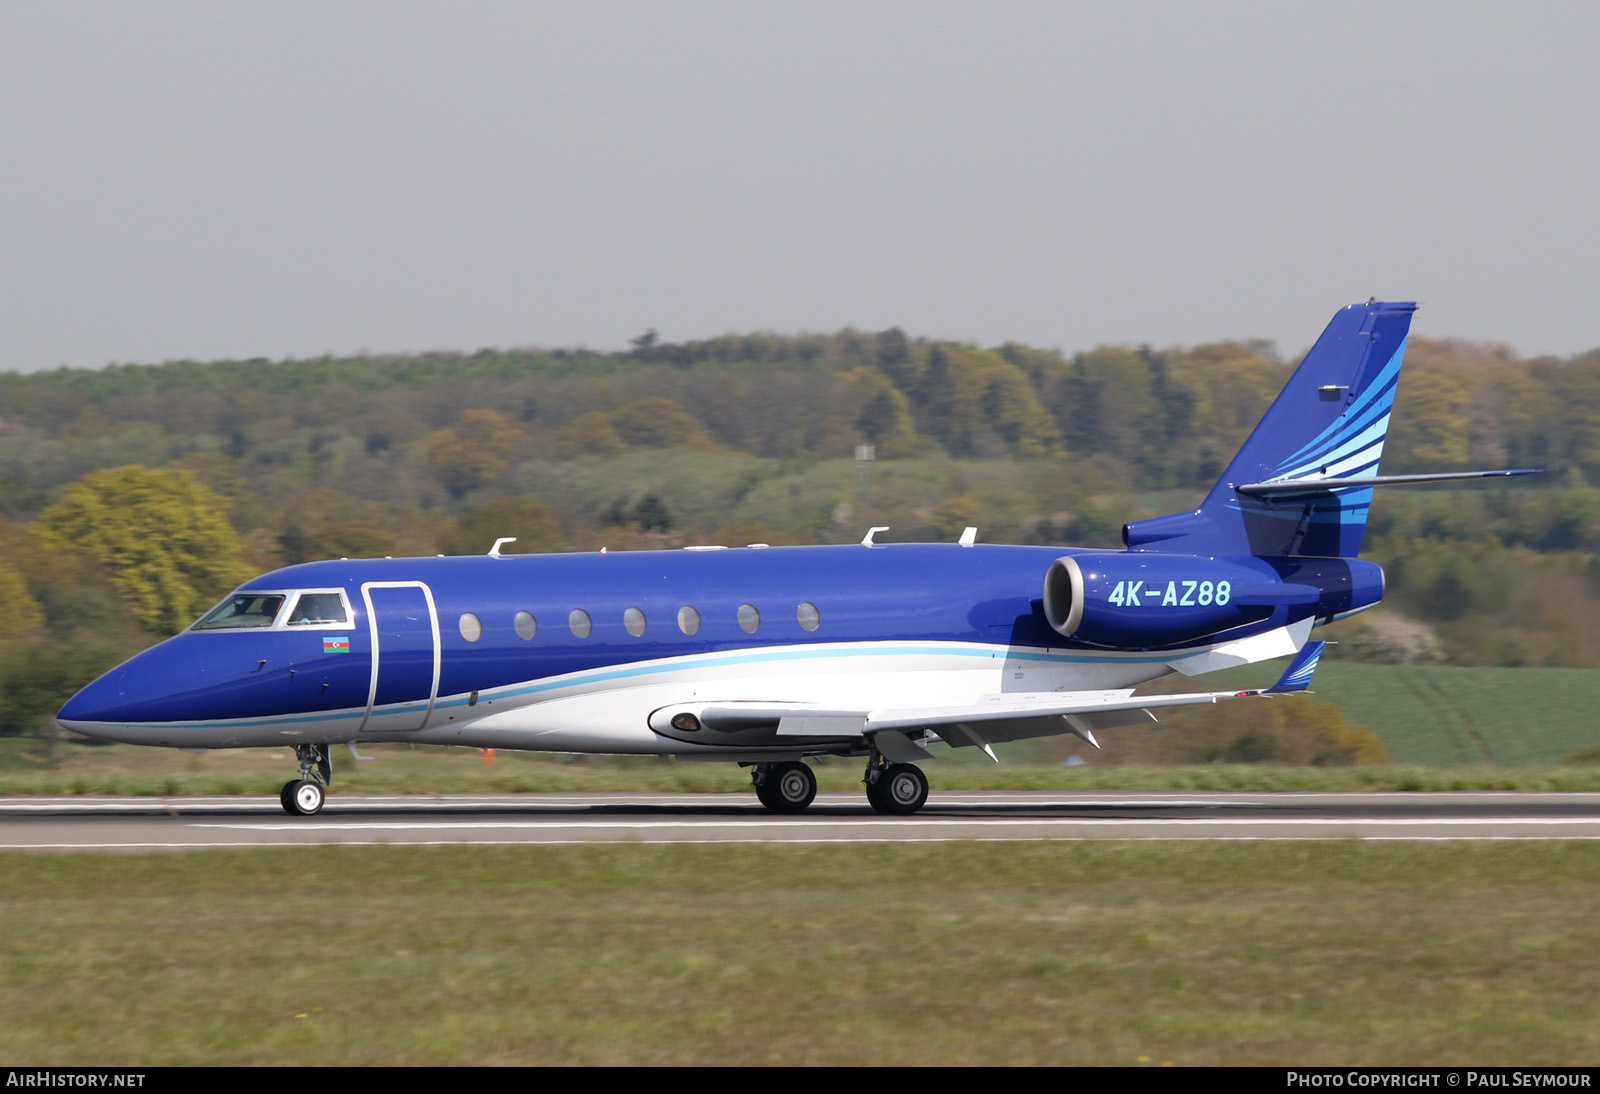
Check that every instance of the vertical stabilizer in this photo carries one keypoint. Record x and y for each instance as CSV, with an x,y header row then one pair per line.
x,y
1329,421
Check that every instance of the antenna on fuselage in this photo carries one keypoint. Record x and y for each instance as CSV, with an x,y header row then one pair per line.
x,y
968,537
866,540
494,552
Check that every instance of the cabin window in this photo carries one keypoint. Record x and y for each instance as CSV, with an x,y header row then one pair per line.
x,y
243,610
749,618
688,620
580,623
633,619
807,614
471,627
527,626
318,609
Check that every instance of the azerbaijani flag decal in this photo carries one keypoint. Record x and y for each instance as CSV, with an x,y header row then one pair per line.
x,y
336,645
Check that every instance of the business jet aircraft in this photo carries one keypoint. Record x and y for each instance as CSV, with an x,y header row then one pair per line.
x,y
766,656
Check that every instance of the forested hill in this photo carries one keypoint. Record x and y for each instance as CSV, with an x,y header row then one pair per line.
x,y
253,464
810,395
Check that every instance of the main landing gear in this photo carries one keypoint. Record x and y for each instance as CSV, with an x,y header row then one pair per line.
x,y
304,796
897,789
789,787
785,787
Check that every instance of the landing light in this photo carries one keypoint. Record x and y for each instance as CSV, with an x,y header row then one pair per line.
x,y
685,722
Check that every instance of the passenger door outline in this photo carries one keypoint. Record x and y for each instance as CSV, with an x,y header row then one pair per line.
x,y
399,722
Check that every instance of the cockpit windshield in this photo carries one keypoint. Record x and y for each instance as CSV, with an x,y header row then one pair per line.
x,y
321,609
243,610
310,608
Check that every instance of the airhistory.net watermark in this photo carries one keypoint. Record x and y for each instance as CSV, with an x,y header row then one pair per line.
x,y
51,1078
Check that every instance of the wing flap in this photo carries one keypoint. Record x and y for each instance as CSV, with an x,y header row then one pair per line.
x,y
986,724
1026,707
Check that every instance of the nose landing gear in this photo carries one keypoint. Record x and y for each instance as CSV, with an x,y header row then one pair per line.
x,y
303,797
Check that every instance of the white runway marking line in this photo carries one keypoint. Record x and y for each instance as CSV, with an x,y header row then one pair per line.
x,y
242,805
553,802
264,845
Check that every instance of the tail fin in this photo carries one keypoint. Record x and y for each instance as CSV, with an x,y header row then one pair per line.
x,y
1328,422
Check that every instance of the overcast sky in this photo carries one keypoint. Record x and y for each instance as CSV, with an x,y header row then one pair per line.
x,y
280,179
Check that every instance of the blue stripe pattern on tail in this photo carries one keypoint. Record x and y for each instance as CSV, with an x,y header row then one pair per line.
x,y
1297,677
1329,420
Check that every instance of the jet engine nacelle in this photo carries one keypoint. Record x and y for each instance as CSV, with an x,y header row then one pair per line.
x,y
1140,601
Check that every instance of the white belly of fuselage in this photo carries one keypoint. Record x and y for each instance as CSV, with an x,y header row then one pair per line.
x,y
608,711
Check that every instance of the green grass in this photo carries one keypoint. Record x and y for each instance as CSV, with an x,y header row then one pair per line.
x,y
82,768
1105,953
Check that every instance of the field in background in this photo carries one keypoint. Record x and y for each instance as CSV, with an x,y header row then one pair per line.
x,y
1438,714
1441,715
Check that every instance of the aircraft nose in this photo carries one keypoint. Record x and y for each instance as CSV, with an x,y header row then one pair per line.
x,y
97,705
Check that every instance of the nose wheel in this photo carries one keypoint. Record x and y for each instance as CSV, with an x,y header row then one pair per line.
x,y
304,797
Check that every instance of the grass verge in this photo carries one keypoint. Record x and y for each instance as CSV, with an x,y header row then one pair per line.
x,y
1304,953
79,768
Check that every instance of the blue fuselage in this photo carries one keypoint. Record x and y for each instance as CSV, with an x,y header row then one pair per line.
x,y
460,637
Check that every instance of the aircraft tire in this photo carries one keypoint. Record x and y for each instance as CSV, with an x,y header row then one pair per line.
x,y
789,787
875,797
900,791
302,798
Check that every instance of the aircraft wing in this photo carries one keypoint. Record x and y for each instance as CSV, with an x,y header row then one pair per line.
x,y
991,720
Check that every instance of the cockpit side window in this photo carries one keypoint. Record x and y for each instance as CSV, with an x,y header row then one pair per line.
x,y
318,609
243,610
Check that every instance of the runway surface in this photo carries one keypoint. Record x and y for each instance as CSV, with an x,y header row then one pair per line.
x,y
155,824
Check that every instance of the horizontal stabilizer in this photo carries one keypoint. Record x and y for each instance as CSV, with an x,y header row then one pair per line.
x,y
1305,486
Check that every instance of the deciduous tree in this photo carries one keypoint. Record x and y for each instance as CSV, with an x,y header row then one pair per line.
x,y
161,535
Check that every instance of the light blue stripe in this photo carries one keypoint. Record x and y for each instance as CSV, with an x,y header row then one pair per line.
x,y
1381,388
1379,392
1371,435
1355,419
